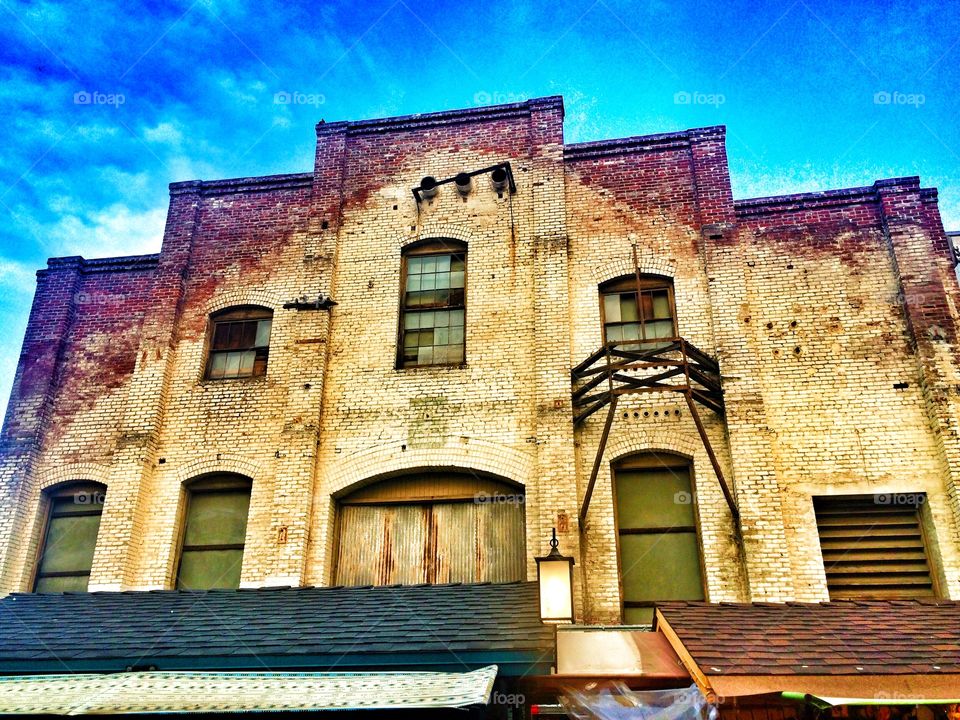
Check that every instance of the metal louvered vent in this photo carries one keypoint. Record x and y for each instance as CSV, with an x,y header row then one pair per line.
x,y
873,546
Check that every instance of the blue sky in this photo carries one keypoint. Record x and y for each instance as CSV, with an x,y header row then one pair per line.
x,y
104,104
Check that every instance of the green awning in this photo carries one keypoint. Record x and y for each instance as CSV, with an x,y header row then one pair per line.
x,y
202,692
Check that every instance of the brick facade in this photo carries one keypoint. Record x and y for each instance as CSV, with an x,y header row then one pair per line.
x,y
815,305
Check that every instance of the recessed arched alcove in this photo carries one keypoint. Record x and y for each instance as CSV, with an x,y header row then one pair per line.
x,y
431,526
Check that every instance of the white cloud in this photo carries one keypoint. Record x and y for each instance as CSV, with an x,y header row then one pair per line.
x,y
104,232
95,132
17,276
164,133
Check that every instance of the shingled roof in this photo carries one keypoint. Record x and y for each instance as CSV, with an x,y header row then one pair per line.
x,y
857,643
439,627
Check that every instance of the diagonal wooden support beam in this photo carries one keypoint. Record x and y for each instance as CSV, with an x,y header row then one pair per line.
x,y
596,463
713,458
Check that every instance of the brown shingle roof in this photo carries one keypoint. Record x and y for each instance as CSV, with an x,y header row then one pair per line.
x,y
855,637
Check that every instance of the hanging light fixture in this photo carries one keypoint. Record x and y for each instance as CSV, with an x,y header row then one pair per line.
x,y
555,578
464,183
498,178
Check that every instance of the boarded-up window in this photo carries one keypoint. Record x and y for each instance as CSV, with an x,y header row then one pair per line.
x,y
433,310
659,548
873,546
214,532
431,529
66,555
240,343
624,319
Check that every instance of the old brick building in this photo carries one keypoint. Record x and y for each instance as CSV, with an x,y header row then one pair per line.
x,y
813,337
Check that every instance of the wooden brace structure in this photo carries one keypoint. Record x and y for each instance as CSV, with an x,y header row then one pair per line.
x,y
647,366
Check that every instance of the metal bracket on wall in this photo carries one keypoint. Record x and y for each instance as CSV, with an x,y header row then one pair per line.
x,y
321,302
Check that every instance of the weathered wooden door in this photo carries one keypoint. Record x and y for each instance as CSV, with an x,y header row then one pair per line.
x,y
439,542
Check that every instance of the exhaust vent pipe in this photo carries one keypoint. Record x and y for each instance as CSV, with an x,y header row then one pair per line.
x,y
464,183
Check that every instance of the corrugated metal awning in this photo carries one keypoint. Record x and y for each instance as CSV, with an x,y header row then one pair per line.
x,y
195,692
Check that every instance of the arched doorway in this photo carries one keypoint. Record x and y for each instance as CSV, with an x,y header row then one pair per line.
x,y
431,527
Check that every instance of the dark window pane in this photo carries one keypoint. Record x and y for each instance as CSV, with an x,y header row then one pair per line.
x,y
249,337
236,336
217,518
660,567
260,364
221,336
208,569
70,544
70,583
646,305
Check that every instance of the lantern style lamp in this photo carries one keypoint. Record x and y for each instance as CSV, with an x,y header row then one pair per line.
x,y
555,578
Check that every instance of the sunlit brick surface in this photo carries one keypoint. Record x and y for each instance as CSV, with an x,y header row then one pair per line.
x,y
815,306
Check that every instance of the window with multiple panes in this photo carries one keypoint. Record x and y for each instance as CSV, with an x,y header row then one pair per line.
x,y
433,309
625,319
657,534
239,343
873,546
213,537
70,537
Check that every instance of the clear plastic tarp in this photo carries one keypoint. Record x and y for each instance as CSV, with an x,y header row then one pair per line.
x,y
611,700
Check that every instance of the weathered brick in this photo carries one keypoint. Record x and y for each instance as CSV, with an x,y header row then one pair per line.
x,y
814,304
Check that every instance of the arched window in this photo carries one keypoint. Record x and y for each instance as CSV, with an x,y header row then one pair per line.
x,y
70,537
433,305
431,528
657,533
625,319
214,532
239,343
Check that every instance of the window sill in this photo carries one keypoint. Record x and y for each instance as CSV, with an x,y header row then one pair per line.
x,y
227,382
436,366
